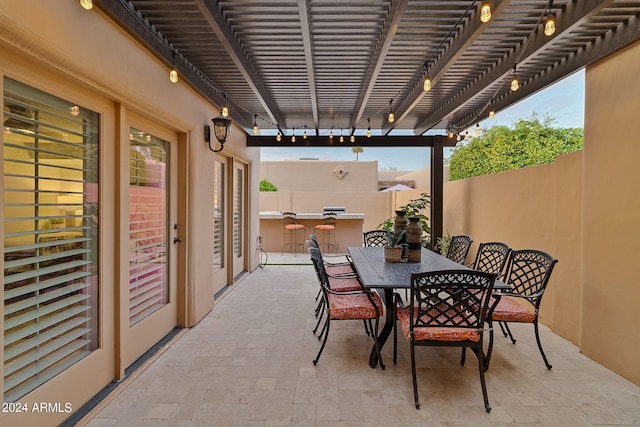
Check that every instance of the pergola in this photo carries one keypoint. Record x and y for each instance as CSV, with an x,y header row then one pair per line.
x,y
295,66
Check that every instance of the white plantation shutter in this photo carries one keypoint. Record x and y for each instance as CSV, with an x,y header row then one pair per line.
x,y
50,237
238,212
218,217
148,283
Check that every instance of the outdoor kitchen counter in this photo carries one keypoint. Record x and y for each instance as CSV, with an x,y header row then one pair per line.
x,y
348,229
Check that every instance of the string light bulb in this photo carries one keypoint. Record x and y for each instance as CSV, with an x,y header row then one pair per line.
x,y
492,113
550,22
173,74
369,127
87,4
331,134
255,124
293,135
466,135
478,130
304,135
485,12
391,117
450,134
279,137
550,25
225,108
426,86
352,139
341,137
458,137
515,85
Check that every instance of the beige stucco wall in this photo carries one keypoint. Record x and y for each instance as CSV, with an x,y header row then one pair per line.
x,y
422,178
317,175
538,208
72,53
610,332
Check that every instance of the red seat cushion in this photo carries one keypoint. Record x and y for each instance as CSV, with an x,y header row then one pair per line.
x,y
294,227
509,310
357,306
435,333
344,285
325,227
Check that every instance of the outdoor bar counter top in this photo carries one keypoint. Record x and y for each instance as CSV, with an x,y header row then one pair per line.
x,y
348,229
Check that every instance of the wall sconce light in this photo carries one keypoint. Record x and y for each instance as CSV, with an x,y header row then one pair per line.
x,y
221,129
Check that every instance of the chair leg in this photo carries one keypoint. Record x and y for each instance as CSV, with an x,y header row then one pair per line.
x,y
318,323
413,373
547,364
502,328
506,326
366,327
319,293
490,348
463,356
319,307
481,369
326,326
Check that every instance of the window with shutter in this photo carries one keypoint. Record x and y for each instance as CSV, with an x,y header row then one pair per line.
x,y
50,236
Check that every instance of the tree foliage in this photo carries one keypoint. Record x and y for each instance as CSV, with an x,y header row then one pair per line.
x,y
266,185
501,148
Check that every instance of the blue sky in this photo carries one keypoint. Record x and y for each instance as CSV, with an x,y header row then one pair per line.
x,y
564,101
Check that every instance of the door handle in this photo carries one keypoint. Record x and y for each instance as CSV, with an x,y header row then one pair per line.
x,y
177,240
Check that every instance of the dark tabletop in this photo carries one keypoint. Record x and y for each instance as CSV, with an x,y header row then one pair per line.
x,y
376,273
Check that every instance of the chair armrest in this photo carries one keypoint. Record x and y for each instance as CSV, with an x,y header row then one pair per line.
x,y
353,275
398,300
363,291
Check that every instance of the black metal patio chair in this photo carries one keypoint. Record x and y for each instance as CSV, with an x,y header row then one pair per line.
x,y
528,274
459,248
363,304
375,238
447,308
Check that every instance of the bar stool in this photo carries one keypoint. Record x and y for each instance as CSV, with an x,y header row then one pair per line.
x,y
291,229
327,230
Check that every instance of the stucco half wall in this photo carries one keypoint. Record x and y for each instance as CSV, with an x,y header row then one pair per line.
x,y
610,332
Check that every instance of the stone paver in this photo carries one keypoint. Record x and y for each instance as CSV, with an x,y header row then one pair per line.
x,y
249,363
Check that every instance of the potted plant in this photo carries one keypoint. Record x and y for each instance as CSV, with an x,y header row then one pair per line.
x,y
393,250
415,208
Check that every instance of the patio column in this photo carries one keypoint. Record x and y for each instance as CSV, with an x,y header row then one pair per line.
x,y
437,179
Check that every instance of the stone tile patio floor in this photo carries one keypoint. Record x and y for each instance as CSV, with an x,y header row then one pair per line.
x,y
249,363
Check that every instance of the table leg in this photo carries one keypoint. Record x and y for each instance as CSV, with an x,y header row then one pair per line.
x,y
386,329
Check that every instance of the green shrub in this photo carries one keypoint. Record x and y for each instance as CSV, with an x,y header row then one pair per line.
x,y
266,185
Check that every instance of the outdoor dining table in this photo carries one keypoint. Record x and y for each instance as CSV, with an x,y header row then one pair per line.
x,y
376,273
